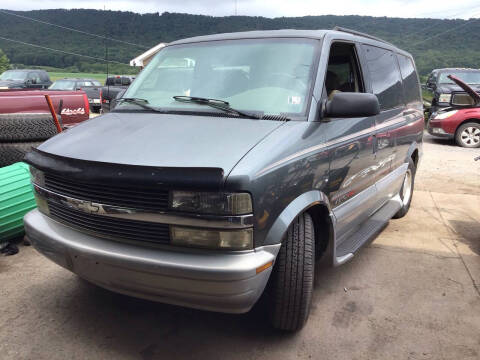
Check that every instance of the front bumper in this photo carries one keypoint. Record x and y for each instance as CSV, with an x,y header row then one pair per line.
x,y
435,128
215,281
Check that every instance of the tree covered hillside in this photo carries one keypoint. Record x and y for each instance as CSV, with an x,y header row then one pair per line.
x,y
459,46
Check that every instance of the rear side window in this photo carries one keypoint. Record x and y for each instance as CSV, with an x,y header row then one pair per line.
x,y
411,86
44,77
385,76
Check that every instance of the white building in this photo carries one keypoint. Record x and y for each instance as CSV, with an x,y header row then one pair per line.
x,y
143,59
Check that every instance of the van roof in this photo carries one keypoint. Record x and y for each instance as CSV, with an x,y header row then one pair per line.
x,y
286,33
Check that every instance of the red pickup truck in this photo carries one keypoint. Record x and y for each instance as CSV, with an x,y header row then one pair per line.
x,y
26,121
75,107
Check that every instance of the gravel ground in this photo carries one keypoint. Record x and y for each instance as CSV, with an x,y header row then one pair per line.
x,y
413,293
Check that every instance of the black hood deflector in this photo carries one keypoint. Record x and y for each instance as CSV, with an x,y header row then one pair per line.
x,y
132,175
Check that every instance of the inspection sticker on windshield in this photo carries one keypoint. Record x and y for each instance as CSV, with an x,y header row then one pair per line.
x,y
295,100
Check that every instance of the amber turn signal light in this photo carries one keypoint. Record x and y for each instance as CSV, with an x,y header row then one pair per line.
x,y
264,267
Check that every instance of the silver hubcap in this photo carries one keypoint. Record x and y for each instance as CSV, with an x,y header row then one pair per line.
x,y
407,187
470,136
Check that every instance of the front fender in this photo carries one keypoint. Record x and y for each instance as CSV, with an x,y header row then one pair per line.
x,y
414,146
295,208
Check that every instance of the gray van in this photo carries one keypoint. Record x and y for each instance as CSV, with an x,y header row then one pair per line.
x,y
231,166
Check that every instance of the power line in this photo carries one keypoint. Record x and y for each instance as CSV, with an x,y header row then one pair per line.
x,y
60,51
447,31
71,29
439,21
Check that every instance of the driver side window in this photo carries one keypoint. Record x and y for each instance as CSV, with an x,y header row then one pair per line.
x,y
343,72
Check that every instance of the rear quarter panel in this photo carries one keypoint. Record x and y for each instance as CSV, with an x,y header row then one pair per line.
x,y
93,92
74,108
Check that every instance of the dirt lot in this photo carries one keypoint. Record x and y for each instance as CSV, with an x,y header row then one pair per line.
x,y
412,294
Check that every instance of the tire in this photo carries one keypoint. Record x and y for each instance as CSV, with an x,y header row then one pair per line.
x,y
468,135
11,153
27,127
406,192
291,284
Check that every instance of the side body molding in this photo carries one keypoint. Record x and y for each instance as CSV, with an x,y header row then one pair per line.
x,y
296,207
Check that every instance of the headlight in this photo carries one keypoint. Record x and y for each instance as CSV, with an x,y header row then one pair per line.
x,y
37,176
445,115
42,205
212,239
444,98
211,202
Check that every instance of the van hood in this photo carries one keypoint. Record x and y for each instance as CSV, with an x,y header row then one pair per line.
x,y
161,140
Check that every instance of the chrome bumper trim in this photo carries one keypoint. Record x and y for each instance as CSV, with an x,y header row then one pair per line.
x,y
172,218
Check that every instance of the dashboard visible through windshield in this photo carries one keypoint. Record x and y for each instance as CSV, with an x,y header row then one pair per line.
x,y
272,76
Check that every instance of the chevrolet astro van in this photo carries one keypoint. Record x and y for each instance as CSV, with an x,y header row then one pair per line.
x,y
231,166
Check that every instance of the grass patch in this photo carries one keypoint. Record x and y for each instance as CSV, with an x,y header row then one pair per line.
x,y
60,75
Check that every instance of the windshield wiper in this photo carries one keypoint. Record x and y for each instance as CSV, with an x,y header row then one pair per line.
x,y
138,101
217,104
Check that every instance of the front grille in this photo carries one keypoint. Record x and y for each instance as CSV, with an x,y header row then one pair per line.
x,y
113,228
461,99
145,198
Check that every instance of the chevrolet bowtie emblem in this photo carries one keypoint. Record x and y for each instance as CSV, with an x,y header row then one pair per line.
x,y
85,206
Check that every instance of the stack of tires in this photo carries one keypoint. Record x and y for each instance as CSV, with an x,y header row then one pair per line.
x,y
19,133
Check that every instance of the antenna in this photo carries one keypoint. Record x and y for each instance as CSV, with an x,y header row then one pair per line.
x,y
106,53
235,7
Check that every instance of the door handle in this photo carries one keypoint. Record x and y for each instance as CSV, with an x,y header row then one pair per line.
x,y
409,112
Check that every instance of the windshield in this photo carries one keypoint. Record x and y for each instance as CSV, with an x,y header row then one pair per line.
x,y
63,85
469,77
273,76
14,75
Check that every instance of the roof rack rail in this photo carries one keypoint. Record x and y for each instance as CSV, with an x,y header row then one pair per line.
x,y
354,32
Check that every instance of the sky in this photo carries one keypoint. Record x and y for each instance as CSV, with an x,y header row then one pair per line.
x,y
461,9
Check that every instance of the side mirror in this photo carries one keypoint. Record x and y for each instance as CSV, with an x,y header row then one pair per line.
x,y
350,104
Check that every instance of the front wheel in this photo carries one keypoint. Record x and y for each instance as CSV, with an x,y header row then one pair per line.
x,y
292,279
468,135
406,191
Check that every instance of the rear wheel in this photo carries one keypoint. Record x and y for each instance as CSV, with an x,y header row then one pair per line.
x,y
292,280
468,135
406,191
